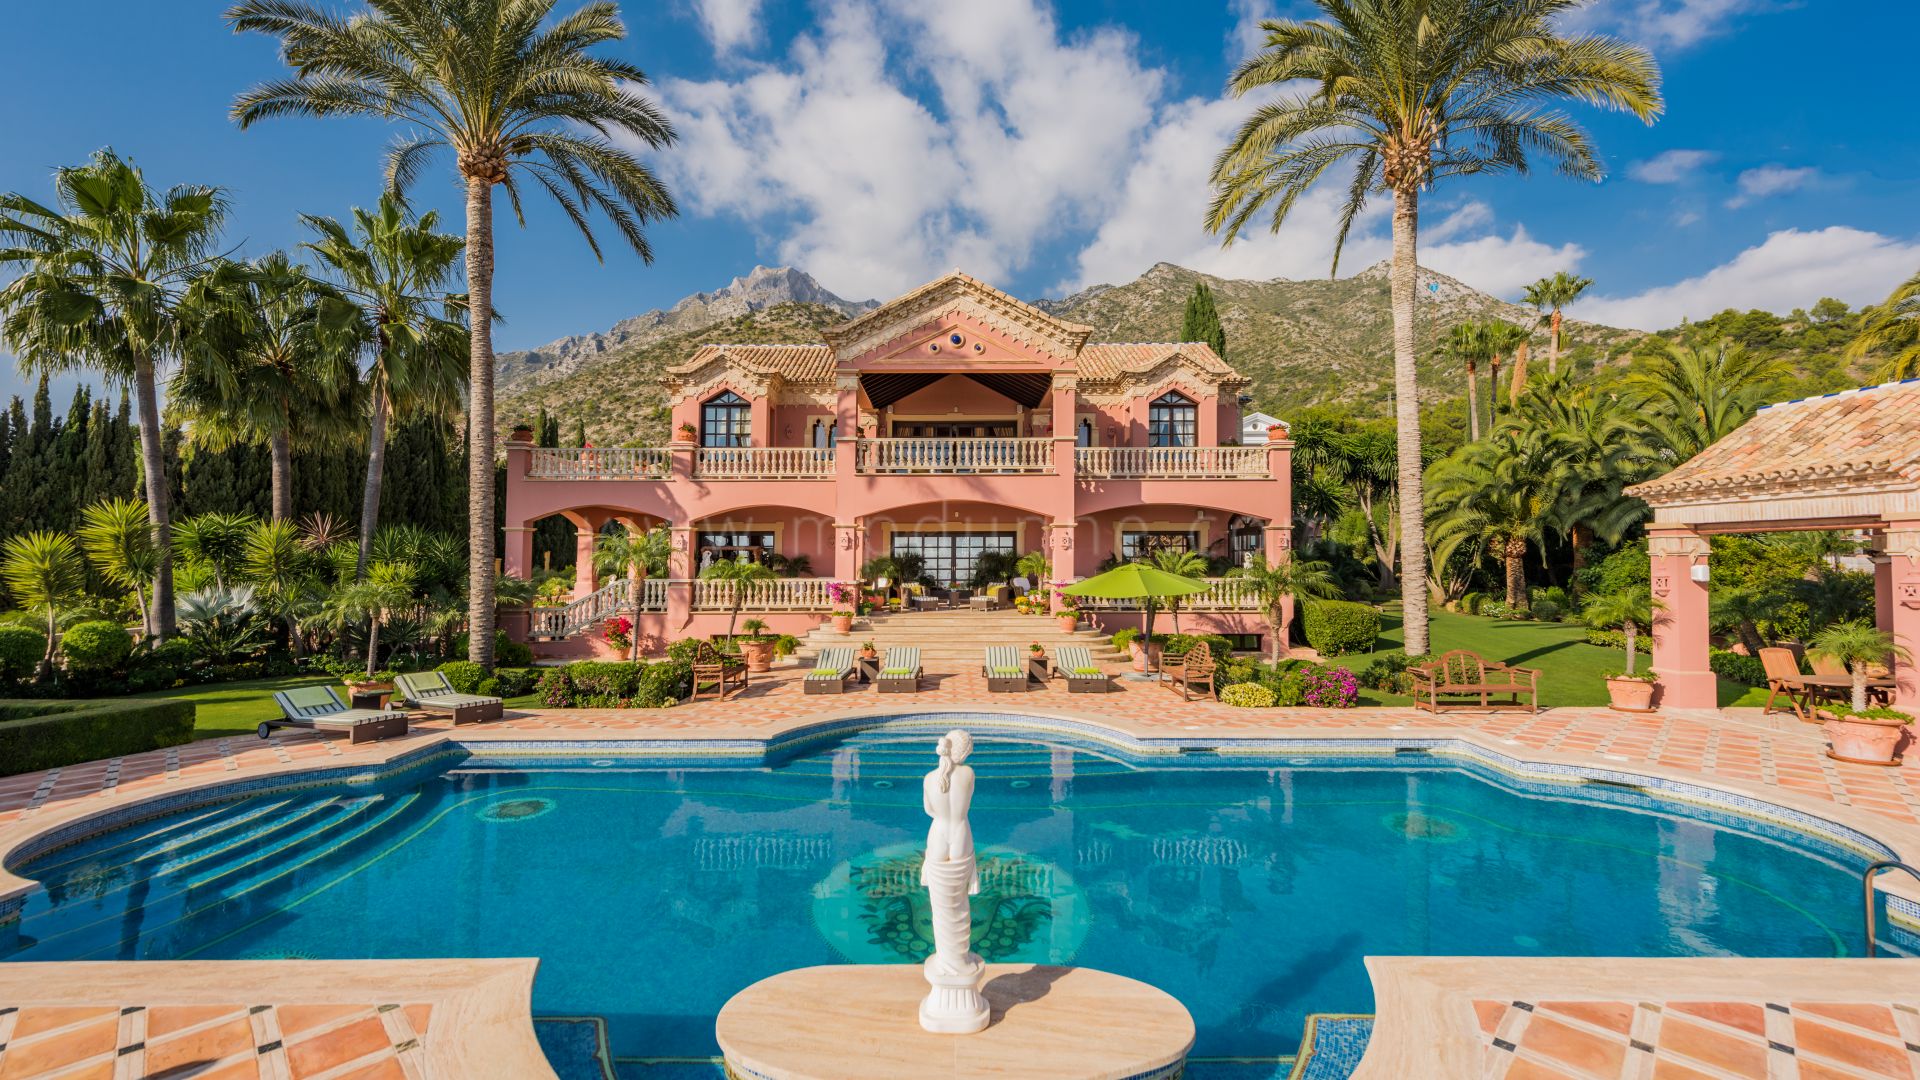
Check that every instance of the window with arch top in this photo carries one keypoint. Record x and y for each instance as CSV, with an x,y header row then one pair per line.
x,y
726,420
1172,420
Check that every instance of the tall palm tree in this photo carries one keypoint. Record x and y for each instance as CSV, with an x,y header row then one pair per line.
x,y
1892,326
1276,583
394,276
102,278
1606,451
1692,396
1182,563
1549,295
1503,339
1467,343
117,540
263,368
637,553
1503,491
516,97
1413,92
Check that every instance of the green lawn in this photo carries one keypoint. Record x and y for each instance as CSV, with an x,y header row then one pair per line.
x,y
1571,671
236,708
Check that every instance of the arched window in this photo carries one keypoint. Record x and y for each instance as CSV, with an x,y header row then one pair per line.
x,y
726,420
1083,434
821,436
1172,421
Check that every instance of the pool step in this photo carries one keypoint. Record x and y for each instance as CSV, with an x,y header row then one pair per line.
x,y
266,846
367,818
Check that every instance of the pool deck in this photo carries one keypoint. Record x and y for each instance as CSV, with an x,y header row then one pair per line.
x,y
1775,759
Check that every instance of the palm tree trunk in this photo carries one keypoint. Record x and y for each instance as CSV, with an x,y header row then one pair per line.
x,y
480,580
635,574
1493,398
1553,348
154,465
281,452
1473,401
1516,560
1633,653
1413,533
1519,374
376,472
1859,672
373,646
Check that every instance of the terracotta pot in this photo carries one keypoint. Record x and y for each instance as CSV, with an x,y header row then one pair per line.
x,y
869,654
1141,655
758,653
1631,695
368,687
843,624
1068,622
1863,741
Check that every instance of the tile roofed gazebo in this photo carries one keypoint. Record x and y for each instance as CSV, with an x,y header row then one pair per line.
x,y
1849,460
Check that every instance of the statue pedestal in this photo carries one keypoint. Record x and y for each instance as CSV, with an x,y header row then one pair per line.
x,y
858,1022
955,1005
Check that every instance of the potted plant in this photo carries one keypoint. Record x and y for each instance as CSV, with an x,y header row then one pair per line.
x,y
1068,613
757,648
522,433
1857,733
1630,610
868,651
687,432
843,620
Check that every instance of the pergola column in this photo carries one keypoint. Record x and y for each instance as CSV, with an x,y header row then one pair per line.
x,y
1897,605
1680,620
1276,542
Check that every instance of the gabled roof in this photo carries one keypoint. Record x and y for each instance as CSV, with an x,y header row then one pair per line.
x,y
1853,442
1108,361
1015,319
795,363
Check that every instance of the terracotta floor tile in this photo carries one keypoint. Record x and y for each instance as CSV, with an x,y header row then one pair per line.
x,y
1745,1016
1742,1057
1881,1059
244,1069
35,1019
387,1069
1871,1017
165,1019
222,1040
1612,1015
337,1047
1573,1047
295,1019
1490,1013
1523,1069
419,1017
1665,1068
49,1052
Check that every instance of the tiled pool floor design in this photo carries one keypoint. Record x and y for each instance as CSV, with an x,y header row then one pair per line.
x,y
1621,1040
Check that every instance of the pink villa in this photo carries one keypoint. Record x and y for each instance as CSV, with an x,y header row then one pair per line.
x,y
952,421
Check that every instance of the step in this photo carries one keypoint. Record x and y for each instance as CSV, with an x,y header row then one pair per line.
x,y
160,840
364,820
266,845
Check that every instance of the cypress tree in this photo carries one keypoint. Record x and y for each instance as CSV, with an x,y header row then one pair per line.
x,y
1202,320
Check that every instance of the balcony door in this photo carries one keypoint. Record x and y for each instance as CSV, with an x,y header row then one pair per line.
x,y
949,556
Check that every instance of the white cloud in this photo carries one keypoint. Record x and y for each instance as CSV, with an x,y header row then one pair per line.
x,y
1790,269
1770,180
729,24
1673,24
1501,265
1670,167
856,179
1246,37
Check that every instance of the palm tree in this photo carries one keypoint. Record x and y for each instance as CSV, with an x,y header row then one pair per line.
x,y
741,573
1503,338
102,279
1859,645
1606,451
1181,563
280,567
1742,610
44,570
636,553
1467,343
213,542
395,274
1549,295
385,587
1692,396
1629,609
516,97
264,369
1892,326
1502,491
1413,92
115,535
1276,583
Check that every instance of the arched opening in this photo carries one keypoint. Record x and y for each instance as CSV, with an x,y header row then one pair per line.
x,y
726,419
1173,420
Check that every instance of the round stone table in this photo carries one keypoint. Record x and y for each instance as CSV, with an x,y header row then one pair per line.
x,y
855,1022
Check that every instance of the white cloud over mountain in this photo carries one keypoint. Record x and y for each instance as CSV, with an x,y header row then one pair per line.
x,y
1791,269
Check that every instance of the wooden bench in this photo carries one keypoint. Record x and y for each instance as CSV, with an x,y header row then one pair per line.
x,y
1191,668
1464,674
711,667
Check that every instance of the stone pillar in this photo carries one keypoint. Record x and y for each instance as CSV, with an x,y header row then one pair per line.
x,y
1276,542
848,540
1280,470
1206,428
584,580
680,558
517,555
1066,399
1680,622
1060,553
1897,601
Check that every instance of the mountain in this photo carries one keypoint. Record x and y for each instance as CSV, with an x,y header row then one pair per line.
x,y
1300,342
765,287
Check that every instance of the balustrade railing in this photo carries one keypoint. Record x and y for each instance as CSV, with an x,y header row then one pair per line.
x,y
599,463
955,456
777,594
596,607
1177,462
763,463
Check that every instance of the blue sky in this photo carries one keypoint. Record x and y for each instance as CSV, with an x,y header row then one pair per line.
x,y
1047,146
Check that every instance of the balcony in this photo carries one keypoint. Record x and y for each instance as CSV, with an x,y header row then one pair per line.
x,y
926,456
1172,463
762,463
600,463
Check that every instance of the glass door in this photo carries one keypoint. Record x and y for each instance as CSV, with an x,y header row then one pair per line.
x,y
949,557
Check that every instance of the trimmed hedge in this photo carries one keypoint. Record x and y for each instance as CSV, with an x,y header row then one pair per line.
x,y
37,735
21,650
1336,627
1617,639
1749,670
96,646
463,675
1247,695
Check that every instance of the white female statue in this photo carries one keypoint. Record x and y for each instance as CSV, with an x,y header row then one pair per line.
x,y
955,1005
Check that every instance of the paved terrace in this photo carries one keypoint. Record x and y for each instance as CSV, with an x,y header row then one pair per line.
x,y
1607,1018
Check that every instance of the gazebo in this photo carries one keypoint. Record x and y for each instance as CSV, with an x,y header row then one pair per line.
x,y
1849,460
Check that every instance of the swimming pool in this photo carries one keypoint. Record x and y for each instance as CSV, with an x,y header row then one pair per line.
x,y
1250,886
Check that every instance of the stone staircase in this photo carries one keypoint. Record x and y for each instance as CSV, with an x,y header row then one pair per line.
x,y
952,640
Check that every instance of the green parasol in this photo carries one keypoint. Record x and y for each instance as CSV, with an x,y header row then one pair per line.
x,y
1133,581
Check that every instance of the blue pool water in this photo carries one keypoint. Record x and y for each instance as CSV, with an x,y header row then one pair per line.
x,y
1250,888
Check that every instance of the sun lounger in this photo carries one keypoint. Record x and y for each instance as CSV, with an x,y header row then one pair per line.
x,y
1005,670
830,673
431,691
1083,676
318,707
899,672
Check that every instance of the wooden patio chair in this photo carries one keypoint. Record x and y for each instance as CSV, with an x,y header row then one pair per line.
x,y
1462,673
899,672
1004,669
1784,677
718,670
1083,676
1192,668
831,673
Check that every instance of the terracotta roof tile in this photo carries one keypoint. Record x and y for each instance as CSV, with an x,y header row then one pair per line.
x,y
1101,361
797,363
1866,435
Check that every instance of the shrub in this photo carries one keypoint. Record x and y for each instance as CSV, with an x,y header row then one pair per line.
x,y
604,678
1178,644
1747,670
21,649
1615,639
1335,627
1124,638
489,686
96,646
511,653
1247,696
1332,688
463,675
514,681
555,689
1236,670
37,735
1623,571
160,667
1548,610
1389,672
663,684
683,649
1289,687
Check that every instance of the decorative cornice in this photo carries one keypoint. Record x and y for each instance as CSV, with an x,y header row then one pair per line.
x,y
958,294
1685,545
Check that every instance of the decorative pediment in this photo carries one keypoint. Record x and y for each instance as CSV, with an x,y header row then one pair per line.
x,y
757,369
941,308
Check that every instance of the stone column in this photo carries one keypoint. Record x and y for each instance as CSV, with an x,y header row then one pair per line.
x,y
680,556
584,580
518,552
1680,622
1276,542
1060,554
1066,397
847,554
1897,606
